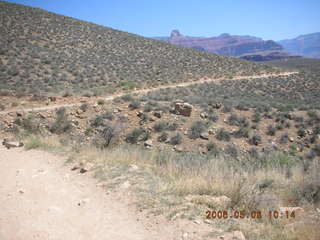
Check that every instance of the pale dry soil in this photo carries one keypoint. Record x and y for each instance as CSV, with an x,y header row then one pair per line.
x,y
41,198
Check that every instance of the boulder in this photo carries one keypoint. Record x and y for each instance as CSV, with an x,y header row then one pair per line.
x,y
204,136
203,115
178,149
148,143
216,105
157,114
183,109
11,144
53,99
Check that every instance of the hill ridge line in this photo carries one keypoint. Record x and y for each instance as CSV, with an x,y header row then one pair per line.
x,y
144,91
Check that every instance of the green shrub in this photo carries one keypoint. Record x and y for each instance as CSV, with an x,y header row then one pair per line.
x,y
176,139
163,137
196,129
61,123
135,104
242,132
137,134
223,135
255,140
213,149
271,130
84,106
161,126
256,117
101,102
231,150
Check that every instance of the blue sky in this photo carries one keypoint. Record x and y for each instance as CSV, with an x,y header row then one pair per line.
x,y
269,19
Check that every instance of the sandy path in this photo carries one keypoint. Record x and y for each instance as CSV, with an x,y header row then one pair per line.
x,y
41,199
144,91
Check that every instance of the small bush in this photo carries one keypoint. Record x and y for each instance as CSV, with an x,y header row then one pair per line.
x,y
284,138
127,98
161,126
108,115
61,123
176,139
227,108
223,135
231,150
136,135
135,104
109,133
271,130
84,107
98,121
255,140
213,117
316,149
213,149
301,132
173,126
242,132
196,129
2,107
256,117
163,137
101,102
28,123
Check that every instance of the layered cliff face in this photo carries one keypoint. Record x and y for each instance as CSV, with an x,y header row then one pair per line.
x,y
305,45
225,44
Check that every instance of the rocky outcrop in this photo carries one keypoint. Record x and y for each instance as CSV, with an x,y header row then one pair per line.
x,y
225,44
182,108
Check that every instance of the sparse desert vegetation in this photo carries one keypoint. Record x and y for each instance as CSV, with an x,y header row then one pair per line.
x,y
38,57
238,144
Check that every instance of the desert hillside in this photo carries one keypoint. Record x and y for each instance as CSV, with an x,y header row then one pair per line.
x,y
46,52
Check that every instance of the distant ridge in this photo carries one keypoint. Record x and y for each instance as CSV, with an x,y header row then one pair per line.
x,y
45,52
228,45
307,45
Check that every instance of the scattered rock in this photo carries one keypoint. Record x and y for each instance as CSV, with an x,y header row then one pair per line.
x,y
11,144
140,114
157,114
125,185
21,191
183,109
204,136
216,105
185,236
53,99
19,114
133,167
178,149
148,143
203,115
211,131
117,110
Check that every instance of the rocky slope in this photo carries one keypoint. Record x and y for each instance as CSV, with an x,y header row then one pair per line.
x,y
43,52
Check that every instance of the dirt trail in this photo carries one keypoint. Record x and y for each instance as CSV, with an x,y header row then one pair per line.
x,y
144,91
41,199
